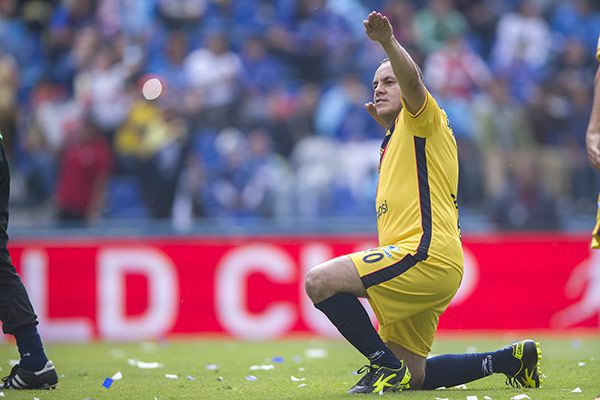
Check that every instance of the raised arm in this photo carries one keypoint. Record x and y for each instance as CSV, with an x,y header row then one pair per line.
x,y
593,130
378,28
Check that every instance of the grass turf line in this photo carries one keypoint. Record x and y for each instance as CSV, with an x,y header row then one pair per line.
x,y
83,368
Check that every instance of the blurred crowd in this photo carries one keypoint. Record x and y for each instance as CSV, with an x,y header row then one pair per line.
x,y
250,110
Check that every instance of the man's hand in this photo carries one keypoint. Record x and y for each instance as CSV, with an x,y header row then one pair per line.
x,y
370,107
378,27
593,149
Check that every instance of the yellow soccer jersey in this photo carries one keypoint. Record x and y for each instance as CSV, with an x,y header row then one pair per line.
x,y
417,190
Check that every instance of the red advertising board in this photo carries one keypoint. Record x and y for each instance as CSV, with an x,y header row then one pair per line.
x,y
123,288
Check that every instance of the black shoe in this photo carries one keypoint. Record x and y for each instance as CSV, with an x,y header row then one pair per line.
x,y
20,378
528,375
382,379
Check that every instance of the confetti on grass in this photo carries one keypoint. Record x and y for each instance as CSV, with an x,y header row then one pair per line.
x,y
487,398
463,387
190,378
212,367
520,397
117,353
576,390
294,379
117,376
266,367
581,364
315,353
107,382
278,359
144,365
251,378
171,376
472,398
302,385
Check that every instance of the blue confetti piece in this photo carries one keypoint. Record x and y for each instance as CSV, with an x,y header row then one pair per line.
x,y
107,383
277,359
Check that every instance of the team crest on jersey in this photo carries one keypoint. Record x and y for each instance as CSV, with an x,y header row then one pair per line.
x,y
388,249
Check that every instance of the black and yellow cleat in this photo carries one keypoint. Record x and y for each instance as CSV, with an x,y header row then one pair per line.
x,y
529,355
382,379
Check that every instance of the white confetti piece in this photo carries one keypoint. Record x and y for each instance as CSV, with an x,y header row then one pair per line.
x,y
381,392
220,378
441,388
1,394
297,359
487,398
472,398
463,387
148,347
301,369
294,379
36,398
144,365
581,364
266,367
576,390
117,376
251,378
315,353
212,367
171,376
190,378
13,362
302,385
520,397
116,353
441,398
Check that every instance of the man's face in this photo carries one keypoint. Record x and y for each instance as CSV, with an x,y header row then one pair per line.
x,y
386,93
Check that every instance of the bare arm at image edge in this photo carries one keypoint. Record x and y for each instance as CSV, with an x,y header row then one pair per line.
x,y
593,130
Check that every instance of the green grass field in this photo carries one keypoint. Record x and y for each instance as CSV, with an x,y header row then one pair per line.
x,y
83,368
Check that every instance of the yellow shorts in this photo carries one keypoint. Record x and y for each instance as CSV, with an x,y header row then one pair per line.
x,y
408,296
596,231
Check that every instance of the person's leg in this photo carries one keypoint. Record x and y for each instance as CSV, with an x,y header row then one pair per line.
x,y
414,362
519,362
19,319
334,288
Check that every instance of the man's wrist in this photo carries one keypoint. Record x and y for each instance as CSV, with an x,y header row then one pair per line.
x,y
387,42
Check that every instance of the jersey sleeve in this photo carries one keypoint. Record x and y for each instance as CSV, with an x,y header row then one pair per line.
x,y
429,119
